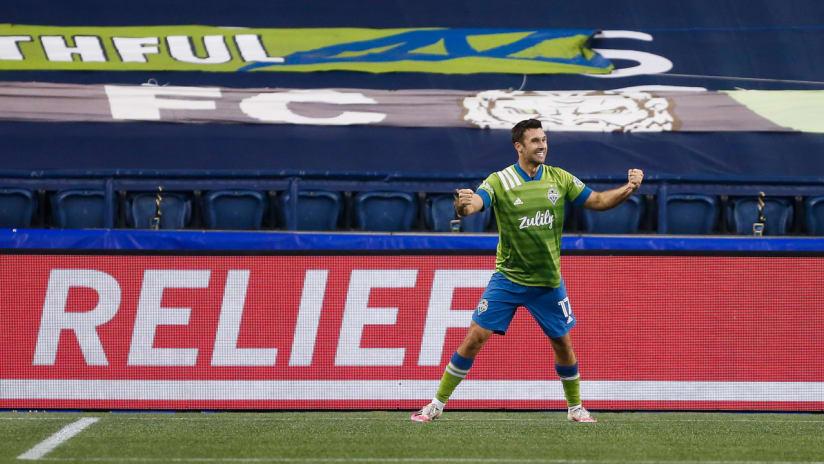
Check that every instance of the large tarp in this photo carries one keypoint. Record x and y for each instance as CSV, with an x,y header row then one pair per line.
x,y
727,45
631,110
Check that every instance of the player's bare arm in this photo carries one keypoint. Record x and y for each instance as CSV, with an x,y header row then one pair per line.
x,y
467,202
608,199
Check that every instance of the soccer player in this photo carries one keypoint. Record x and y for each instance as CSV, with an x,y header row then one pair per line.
x,y
528,198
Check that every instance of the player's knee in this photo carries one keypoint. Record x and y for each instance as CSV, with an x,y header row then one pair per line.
x,y
563,349
475,339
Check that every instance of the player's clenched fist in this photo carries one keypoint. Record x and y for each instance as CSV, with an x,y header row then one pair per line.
x,y
634,177
463,198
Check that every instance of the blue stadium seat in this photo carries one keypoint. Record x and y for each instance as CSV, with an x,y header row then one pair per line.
x,y
79,209
141,209
440,210
16,207
623,219
234,209
814,207
385,211
691,214
317,210
777,211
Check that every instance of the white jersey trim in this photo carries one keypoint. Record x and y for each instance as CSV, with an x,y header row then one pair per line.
x,y
504,180
514,176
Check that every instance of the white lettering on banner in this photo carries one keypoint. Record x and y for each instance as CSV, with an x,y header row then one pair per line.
x,y
306,328
440,316
135,49
9,48
150,315
181,48
87,46
251,49
55,318
141,102
648,63
226,352
540,219
357,314
274,107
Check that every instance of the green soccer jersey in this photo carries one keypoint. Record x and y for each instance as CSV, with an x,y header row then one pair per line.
x,y
530,217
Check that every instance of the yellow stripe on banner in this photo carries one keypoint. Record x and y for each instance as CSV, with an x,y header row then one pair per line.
x,y
801,110
232,49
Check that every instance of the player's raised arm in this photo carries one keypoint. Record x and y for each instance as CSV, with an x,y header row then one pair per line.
x,y
608,199
467,202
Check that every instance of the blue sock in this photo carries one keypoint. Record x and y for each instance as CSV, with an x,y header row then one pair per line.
x,y
566,372
460,362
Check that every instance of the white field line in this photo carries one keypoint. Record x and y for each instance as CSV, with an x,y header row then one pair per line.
x,y
39,450
414,460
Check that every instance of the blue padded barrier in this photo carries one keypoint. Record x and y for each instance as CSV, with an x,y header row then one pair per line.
x,y
234,209
691,214
385,211
16,207
141,210
623,219
17,240
316,210
777,211
79,209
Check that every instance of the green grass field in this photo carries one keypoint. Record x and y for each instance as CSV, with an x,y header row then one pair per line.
x,y
459,437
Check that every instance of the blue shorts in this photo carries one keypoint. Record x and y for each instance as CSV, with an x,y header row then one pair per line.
x,y
549,306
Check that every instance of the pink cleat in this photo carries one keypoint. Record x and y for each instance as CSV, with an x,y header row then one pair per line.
x,y
429,413
580,414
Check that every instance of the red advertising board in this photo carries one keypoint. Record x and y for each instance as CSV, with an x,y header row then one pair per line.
x,y
256,332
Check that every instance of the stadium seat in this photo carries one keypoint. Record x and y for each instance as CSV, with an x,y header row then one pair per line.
x,y
16,207
385,211
317,210
141,209
691,214
777,211
814,207
79,209
623,219
234,209
440,210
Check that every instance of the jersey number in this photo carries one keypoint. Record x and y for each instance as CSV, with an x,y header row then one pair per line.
x,y
566,308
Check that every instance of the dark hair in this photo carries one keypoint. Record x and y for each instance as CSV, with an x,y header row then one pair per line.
x,y
519,129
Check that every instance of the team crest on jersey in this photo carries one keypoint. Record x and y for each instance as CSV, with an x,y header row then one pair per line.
x,y
552,195
482,306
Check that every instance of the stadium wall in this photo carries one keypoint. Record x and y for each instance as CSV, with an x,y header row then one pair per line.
x,y
349,321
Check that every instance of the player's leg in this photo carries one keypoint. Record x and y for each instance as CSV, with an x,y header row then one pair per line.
x,y
552,311
493,315
462,360
566,365
455,371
